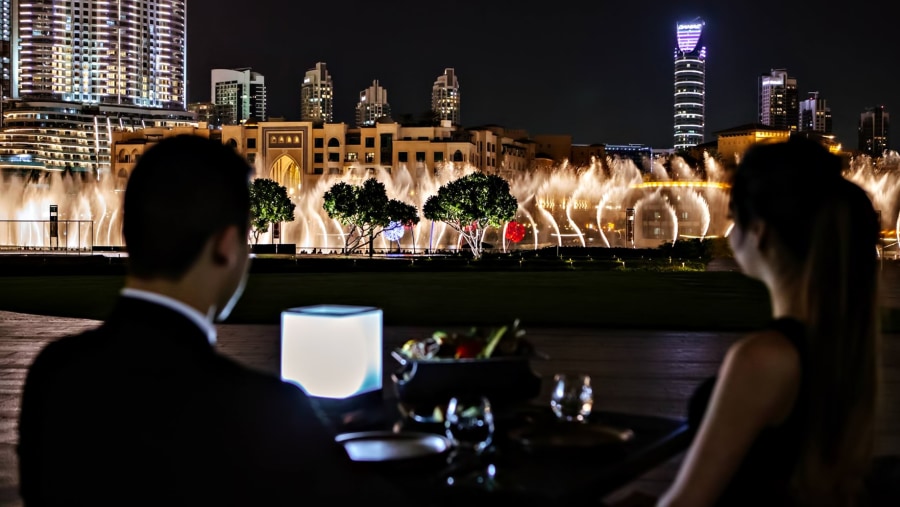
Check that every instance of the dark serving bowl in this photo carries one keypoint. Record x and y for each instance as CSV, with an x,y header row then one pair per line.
x,y
426,384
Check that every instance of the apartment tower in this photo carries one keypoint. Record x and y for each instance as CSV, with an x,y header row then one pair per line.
x,y
239,94
5,48
874,126
129,52
94,66
317,95
690,84
445,97
372,105
815,115
778,101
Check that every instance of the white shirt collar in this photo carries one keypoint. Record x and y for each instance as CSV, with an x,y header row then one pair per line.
x,y
204,322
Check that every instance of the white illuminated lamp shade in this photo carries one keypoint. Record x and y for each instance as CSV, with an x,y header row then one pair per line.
x,y
332,351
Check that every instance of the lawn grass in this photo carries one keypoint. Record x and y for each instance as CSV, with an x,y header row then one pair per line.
x,y
641,299
620,299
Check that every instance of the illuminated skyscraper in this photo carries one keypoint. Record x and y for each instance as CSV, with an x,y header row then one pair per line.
x,y
372,105
778,101
690,84
5,47
127,52
815,115
80,70
445,96
239,94
874,126
317,95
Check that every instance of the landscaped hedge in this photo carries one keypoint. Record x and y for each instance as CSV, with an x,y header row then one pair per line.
x,y
686,255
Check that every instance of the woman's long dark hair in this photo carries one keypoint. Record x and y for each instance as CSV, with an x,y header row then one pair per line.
x,y
826,231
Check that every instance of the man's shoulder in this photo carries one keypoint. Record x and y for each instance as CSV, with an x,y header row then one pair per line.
x,y
71,346
253,381
265,399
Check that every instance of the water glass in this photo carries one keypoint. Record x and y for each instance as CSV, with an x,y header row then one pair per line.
x,y
469,422
572,398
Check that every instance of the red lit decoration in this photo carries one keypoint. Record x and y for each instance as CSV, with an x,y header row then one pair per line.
x,y
515,231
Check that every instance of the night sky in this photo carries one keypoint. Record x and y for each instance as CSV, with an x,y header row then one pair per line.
x,y
600,71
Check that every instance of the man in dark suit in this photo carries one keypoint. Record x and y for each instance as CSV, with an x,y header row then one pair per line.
x,y
143,410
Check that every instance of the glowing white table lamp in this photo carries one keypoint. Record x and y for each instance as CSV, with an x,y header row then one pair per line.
x,y
332,351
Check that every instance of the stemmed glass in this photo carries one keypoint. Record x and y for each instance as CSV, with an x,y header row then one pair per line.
x,y
469,422
572,398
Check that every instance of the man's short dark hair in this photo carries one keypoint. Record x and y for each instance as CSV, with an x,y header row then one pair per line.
x,y
182,191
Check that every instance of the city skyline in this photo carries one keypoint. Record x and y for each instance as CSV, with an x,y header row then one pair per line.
x,y
602,74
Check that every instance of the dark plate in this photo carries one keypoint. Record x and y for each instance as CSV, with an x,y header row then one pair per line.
x,y
390,447
569,436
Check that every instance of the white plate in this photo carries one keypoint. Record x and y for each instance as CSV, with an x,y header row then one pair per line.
x,y
378,446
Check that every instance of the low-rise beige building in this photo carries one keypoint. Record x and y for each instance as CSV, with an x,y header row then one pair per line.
x,y
297,153
586,154
129,145
555,148
733,142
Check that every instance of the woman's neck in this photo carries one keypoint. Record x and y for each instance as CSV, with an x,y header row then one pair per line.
x,y
786,299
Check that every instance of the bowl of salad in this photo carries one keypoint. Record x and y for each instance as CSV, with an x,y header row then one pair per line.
x,y
494,362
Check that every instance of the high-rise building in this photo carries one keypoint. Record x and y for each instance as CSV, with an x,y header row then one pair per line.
x,y
690,84
874,125
5,47
126,52
207,112
90,67
445,97
815,115
317,95
240,94
372,105
778,100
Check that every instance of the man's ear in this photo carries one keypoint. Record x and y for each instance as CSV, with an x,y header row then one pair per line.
x,y
224,246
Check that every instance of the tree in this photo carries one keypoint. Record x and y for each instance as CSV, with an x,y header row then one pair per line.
x,y
472,203
367,210
269,203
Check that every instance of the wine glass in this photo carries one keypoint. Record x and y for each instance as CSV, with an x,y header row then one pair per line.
x,y
469,422
572,398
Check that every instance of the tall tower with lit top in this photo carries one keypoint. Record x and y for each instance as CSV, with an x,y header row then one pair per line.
x,y
690,84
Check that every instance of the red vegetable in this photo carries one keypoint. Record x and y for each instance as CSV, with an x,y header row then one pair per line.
x,y
468,349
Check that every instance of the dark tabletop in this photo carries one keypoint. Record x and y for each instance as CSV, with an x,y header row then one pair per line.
x,y
535,460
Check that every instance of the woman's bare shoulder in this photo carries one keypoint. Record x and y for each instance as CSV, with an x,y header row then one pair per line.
x,y
766,352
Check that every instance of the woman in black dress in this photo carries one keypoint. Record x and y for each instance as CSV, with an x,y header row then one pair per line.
x,y
789,419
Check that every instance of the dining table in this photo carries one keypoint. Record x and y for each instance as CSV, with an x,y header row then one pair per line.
x,y
534,458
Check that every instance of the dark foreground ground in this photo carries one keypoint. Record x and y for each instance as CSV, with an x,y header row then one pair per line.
x,y
636,370
651,372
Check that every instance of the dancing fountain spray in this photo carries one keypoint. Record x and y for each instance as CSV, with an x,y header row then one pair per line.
x,y
563,205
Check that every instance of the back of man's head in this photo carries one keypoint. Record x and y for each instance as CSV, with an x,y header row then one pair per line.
x,y
182,192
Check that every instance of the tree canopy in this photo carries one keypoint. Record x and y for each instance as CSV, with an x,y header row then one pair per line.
x,y
367,210
269,203
472,203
